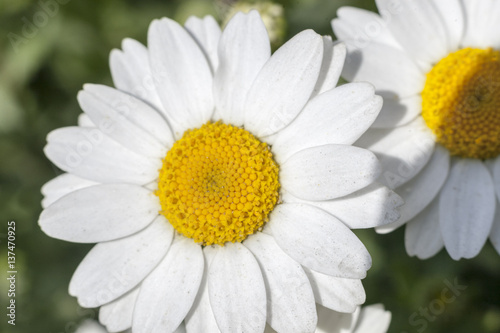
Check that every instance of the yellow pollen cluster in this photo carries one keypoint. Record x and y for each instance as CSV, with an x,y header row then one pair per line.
x,y
218,184
461,103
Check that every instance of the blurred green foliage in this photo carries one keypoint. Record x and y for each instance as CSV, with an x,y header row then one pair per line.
x,y
39,80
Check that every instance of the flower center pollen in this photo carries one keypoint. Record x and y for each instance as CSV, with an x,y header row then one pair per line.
x,y
218,184
461,102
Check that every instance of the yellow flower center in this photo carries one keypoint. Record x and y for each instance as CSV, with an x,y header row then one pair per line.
x,y
461,102
218,184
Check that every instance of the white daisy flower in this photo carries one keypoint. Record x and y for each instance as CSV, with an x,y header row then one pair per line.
x,y
219,182
437,65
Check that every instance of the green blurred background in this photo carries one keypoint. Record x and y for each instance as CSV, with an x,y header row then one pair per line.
x,y
40,76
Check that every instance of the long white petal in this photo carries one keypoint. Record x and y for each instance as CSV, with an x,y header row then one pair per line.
x,y
453,16
423,234
100,213
284,85
237,291
372,206
362,27
90,154
467,208
328,172
117,315
481,23
422,189
244,48
206,32
345,112
127,120
373,319
418,27
389,69
290,299
402,151
182,75
113,268
319,241
168,293
201,316
331,68
131,72
63,184
339,294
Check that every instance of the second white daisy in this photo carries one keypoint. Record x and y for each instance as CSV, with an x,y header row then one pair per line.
x,y
437,65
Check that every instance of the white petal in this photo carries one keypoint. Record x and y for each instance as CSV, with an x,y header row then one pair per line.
x,y
418,27
336,322
402,151
373,319
131,72
88,326
482,22
319,241
452,14
127,120
63,184
338,294
339,116
290,299
84,120
100,213
398,112
373,206
201,316
362,27
244,48
90,154
495,230
331,67
423,235
284,85
113,268
422,189
390,70
329,172
495,172
237,291
207,33
182,75
168,293
467,208
117,315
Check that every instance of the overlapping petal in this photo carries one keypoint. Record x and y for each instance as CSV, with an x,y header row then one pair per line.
x,y
183,78
113,268
168,293
100,213
328,172
467,208
284,85
319,241
244,48
238,302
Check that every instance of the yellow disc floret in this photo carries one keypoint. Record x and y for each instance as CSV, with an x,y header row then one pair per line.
x,y
218,184
461,103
